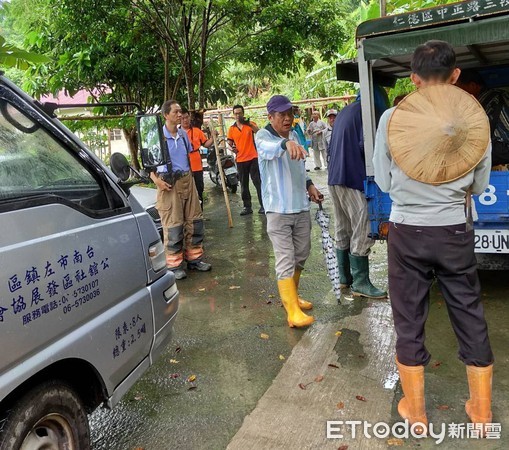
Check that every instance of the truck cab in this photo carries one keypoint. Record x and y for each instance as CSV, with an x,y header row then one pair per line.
x,y
479,33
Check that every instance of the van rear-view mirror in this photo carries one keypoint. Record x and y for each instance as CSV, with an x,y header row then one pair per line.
x,y
151,141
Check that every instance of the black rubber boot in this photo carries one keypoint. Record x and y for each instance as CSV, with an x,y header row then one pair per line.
x,y
345,277
361,286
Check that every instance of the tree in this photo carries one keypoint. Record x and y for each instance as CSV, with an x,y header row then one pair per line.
x,y
201,33
102,47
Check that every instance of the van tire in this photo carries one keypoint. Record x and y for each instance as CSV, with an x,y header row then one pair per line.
x,y
49,413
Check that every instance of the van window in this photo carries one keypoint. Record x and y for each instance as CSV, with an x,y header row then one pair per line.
x,y
33,163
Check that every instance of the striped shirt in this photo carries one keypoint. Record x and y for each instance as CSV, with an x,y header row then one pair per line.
x,y
283,179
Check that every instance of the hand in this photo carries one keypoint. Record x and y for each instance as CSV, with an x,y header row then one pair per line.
x,y
295,150
314,194
163,185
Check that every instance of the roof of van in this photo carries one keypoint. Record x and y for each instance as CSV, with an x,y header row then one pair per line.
x,y
479,35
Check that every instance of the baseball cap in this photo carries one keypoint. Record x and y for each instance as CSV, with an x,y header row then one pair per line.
x,y
331,112
279,103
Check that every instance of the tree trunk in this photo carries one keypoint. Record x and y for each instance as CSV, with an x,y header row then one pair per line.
x,y
166,58
131,136
203,56
188,73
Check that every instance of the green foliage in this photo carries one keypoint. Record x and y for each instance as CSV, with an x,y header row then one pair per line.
x,y
11,56
92,45
297,33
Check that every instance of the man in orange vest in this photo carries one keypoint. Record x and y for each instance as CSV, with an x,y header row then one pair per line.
x,y
198,139
241,138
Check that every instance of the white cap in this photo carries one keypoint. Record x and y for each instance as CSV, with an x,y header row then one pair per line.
x,y
330,112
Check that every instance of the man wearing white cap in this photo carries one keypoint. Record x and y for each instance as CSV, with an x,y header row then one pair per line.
x,y
286,190
315,131
432,151
331,117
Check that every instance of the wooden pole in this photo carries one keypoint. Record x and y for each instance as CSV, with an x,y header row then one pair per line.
x,y
212,126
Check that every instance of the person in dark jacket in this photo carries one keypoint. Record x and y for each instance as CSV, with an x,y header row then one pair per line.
x,y
347,172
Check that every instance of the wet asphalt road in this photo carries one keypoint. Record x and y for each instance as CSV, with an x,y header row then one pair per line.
x,y
218,340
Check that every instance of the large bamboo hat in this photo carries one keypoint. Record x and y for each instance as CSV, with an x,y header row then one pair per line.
x,y
438,134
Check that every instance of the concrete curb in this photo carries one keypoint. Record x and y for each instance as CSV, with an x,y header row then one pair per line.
x,y
288,417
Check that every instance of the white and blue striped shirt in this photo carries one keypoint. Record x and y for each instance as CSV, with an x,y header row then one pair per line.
x,y
283,179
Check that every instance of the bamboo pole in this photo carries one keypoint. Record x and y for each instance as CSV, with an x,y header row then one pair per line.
x,y
318,100
212,126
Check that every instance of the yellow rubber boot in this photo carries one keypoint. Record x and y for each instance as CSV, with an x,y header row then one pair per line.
x,y
412,405
304,304
288,293
478,408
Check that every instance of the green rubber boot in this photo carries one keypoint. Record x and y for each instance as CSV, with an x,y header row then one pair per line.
x,y
361,286
345,277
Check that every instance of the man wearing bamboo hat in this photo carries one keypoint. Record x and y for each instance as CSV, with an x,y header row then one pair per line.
x,y
431,152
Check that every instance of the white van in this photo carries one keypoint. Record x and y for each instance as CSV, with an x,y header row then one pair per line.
x,y
86,301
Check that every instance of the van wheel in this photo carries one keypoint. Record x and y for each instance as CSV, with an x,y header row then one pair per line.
x,y
50,416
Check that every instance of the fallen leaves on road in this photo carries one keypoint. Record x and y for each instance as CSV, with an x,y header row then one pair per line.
x,y
333,366
175,375
174,361
361,398
443,407
138,397
318,379
436,364
191,378
395,442
177,350
269,302
234,287
264,336
272,296
340,405
190,388
338,333
201,289
281,357
343,447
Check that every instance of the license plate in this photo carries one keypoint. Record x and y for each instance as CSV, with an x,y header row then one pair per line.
x,y
491,241
230,170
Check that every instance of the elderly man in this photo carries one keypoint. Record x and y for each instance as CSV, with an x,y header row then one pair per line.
x,y
331,117
177,199
429,235
315,131
285,190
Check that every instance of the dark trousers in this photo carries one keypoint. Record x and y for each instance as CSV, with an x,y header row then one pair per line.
x,y
417,255
198,181
247,169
